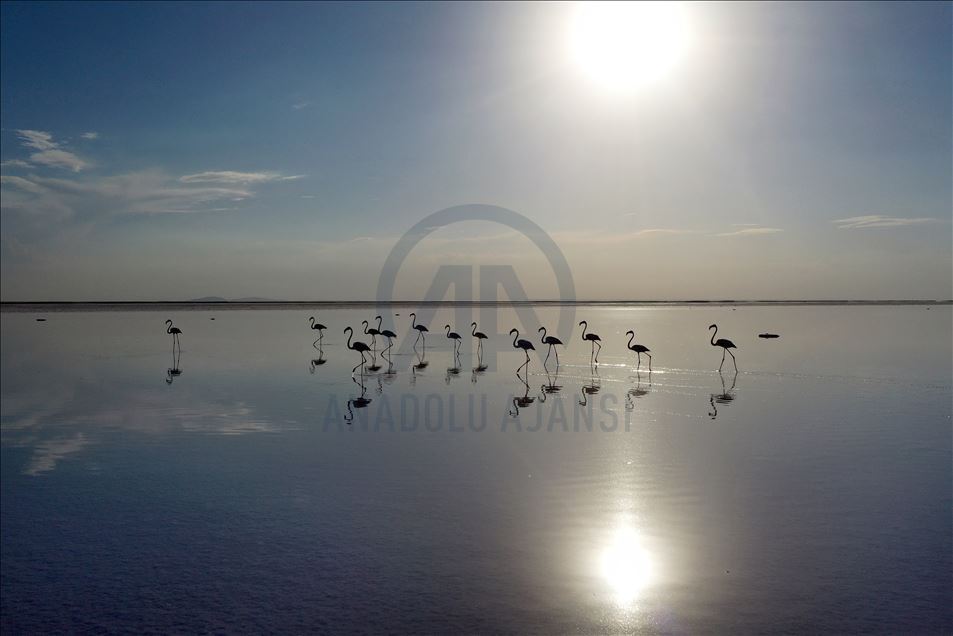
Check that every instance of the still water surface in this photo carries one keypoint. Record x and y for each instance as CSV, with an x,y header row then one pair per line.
x,y
251,482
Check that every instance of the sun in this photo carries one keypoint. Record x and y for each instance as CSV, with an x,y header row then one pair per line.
x,y
625,45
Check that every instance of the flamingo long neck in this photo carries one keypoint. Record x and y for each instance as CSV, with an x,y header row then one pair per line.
x,y
312,321
380,321
514,339
169,328
585,325
544,334
413,321
365,326
350,334
714,333
448,330
631,338
473,331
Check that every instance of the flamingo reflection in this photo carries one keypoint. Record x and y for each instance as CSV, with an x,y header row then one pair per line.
x,y
521,402
359,402
724,398
595,384
637,392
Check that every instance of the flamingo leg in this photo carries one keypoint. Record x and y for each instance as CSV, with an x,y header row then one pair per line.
x,y
548,351
597,352
556,353
650,360
724,351
639,353
733,359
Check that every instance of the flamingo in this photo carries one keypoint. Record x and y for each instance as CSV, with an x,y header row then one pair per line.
x,y
453,335
421,330
552,341
316,326
724,344
175,331
360,347
639,349
387,333
525,345
373,333
594,339
479,335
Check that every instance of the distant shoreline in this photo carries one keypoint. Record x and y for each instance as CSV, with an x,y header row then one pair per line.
x,y
244,305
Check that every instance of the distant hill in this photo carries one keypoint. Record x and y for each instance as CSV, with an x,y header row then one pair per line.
x,y
219,299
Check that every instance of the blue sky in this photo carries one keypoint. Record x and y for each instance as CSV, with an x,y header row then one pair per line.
x,y
166,151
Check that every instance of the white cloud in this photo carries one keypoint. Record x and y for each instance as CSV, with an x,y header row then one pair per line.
x,y
15,163
147,192
90,135
50,153
59,159
300,105
230,176
878,220
20,183
37,139
751,231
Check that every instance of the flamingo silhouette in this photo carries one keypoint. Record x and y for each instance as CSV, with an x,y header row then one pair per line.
x,y
175,331
360,347
387,333
639,349
317,326
594,339
479,335
525,345
421,330
453,335
552,341
373,333
725,344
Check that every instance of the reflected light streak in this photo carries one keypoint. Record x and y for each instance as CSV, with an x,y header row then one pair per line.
x,y
625,565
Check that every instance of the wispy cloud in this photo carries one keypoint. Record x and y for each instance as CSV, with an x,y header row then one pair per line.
x,y
15,163
90,135
751,231
300,105
233,177
44,200
37,139
879,220
49,152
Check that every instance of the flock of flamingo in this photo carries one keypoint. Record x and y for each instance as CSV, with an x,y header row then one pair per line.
x,y
519,402
518,343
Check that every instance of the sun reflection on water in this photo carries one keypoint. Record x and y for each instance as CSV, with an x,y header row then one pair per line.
x,y
625,565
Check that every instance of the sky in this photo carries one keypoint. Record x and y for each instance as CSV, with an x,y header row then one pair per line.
x,y
156,151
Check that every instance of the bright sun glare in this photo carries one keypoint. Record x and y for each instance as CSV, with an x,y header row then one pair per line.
x,y
626,566
623,45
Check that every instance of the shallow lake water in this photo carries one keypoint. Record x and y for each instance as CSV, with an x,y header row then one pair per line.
x,y
250,481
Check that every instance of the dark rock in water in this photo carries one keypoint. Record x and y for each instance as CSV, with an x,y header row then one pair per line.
x,y
41,319
768,335
211,319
